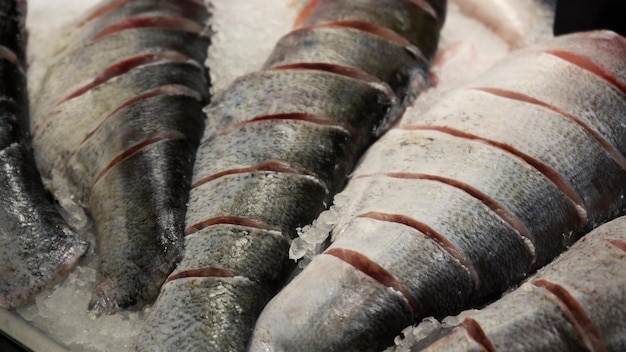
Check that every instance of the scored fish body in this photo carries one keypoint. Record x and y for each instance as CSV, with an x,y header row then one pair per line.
x,y
117,122
190,14
37,246
278,144
575,303
458,204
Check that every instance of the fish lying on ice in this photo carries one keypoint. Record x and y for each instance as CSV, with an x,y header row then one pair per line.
x,y
278,145
37,248
458,204
517,22
117,122
576,303
479,33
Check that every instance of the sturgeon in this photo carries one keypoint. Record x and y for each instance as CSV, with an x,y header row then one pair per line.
x,y
278,144
116,125
462,202
37,247
575,303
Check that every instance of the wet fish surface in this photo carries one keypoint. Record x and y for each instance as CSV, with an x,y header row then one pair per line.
x,y
575,303
116,125
37,247
460,203
518,22
278,144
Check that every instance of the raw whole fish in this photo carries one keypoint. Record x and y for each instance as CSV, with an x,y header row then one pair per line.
x,y
278,145
576,303
458,204
116,124
37,248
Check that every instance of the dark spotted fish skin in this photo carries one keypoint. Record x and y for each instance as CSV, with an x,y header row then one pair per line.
x,y
460,203
117,121
279,143
574,303
37,248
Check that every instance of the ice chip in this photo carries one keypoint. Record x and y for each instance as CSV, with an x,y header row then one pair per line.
x,y
297,249
245,34
452,321
425,328
71,211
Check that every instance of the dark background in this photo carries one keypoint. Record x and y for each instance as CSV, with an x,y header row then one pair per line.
x,y
583,15
8,345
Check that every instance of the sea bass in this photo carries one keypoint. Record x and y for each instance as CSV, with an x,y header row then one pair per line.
x,y
279,143
575,303
116,125
458,204
37,248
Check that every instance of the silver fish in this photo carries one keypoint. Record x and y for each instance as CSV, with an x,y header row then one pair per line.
x,y
518,23
37,248
117,121
279,143
575,303
458,204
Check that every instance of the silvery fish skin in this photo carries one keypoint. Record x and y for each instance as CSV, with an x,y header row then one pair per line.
x,y
191,14
37,248
279,143
575,303
458,204
518,22
117,123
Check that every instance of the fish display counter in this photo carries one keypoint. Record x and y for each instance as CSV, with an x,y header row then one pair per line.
x,y
435,207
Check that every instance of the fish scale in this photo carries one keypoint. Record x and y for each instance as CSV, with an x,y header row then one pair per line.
x,y
388,61
232,247
587,178
422,18
258,170
71,70
232,195
430,154
549,323
130,127
588,48
270,92
37,248
247,145
403,239
122,107
120,10
104,100
490,148
598,105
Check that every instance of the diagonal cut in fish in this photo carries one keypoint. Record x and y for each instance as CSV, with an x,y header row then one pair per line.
x,y
117,121
458,204
278,144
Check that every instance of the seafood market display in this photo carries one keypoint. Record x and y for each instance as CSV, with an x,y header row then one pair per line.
x,y
116,124
460,203
278,144
37,248
487,178
578,305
